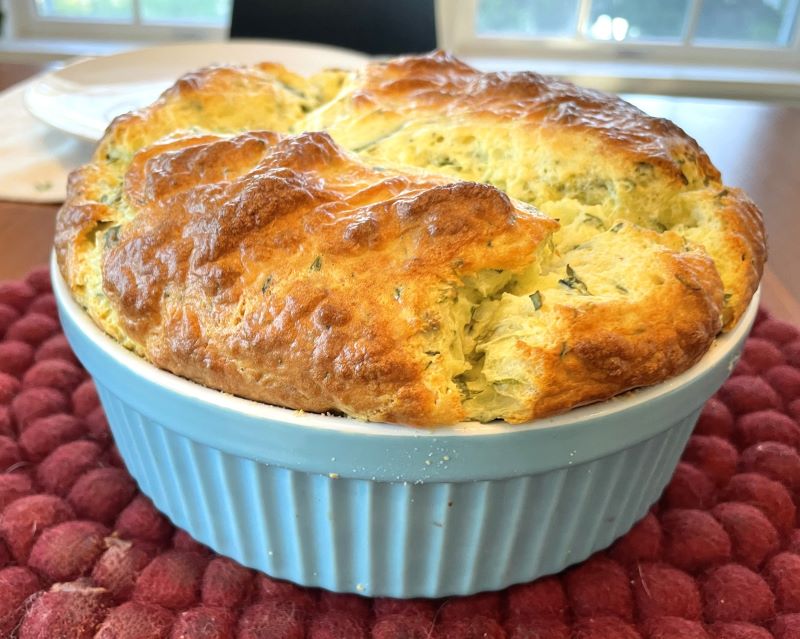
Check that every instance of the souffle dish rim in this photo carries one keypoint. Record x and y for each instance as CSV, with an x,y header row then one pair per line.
x,y
653,405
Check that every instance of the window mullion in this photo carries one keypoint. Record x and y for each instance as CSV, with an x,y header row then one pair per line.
x,y
788,30
584,11
691,23
136,19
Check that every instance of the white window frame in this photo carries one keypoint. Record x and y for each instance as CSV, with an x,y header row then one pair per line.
x,y
26,23
456,22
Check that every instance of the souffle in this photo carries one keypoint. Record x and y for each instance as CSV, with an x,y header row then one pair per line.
x,y
415,242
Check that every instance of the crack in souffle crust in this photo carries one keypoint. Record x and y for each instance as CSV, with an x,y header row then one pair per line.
x,y
377,270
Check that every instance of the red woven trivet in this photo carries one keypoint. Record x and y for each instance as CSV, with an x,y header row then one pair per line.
x,y
83,554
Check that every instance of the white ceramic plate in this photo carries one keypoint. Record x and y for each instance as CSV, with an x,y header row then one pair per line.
x,y
84,96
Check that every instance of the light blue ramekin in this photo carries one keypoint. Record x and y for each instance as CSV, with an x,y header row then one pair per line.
x,y
388,510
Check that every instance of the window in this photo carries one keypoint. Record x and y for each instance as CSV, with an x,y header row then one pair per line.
x,y
121,19
753,33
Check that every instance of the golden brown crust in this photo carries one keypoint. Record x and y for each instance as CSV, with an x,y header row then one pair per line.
x,y
440,84
588,138
614,347
255,283
263,96
282,269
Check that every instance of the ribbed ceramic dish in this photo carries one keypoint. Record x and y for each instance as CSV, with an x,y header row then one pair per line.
x,y
388,510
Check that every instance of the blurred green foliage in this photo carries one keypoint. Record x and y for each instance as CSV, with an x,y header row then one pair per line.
x,y
193,11
757,21
540,17
744,20
204,11
647,19
107,9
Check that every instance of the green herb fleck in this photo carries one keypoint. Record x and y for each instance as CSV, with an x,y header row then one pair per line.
x,y
536,298
463,389
99,227
727,297
659,226
111,236
505,381
112,155
621,288
594,221
444,161
377,140
398,293
316,264
574,282
564,349
617,227
267,284
45,185
431,353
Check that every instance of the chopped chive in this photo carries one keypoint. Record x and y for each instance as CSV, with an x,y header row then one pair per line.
x,y
267,284
574,282
316,264
617,227
593,220
621,288
431,353
111,236
536,298
444,161
398,293
504,381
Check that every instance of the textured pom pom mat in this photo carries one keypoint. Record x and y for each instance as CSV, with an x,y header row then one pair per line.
x,y
83,554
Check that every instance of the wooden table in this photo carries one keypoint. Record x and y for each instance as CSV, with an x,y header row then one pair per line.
x,y
755,145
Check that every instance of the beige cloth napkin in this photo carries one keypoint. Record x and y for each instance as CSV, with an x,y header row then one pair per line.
x,y
35,159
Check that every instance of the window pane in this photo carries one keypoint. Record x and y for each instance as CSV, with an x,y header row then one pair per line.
x,y
179,11
532,17
753,21
86,9
637,19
